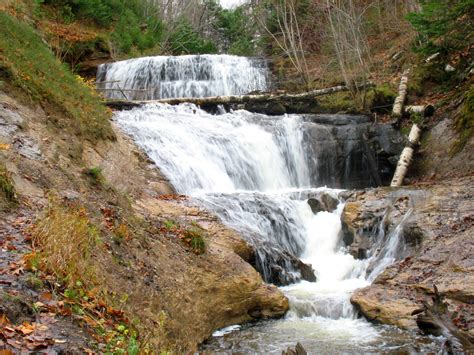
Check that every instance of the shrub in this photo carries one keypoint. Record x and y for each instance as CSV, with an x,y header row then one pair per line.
x,y
132,27
64,238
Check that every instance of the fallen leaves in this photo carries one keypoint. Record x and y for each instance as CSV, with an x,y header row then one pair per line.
x,y
172,197
31,336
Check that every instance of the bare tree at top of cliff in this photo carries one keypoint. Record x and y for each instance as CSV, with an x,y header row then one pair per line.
x,y
289,37
349,39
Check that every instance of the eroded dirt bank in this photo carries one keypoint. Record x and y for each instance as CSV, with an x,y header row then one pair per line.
x,y
145,266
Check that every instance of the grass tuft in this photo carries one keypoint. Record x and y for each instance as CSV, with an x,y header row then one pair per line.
x,y
195,238
95,175
7,189
64,238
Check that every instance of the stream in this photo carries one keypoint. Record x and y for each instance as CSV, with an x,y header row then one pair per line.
x,y
257,174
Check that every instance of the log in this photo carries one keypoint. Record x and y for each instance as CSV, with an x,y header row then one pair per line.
x,y
235,100
432,57
406,156
435,319
423,110
402,95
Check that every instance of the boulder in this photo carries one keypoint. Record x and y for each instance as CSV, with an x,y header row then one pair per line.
x,y
324,202
298,350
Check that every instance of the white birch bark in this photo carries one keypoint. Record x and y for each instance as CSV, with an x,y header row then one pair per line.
x,y
402,95
406,157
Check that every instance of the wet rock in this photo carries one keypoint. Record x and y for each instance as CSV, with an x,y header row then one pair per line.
x,y
284,268
395,310
350,222
323,202
436,247
344,146
307,272
413,234
298,350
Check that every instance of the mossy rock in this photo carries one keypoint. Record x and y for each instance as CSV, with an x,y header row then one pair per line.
x,y
381,98
464,122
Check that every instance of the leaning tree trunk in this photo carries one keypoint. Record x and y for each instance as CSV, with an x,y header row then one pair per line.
x,y
436,319
406,156
402,95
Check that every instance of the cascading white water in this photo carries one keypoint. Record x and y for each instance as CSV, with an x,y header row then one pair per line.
x,y
253,172
158,77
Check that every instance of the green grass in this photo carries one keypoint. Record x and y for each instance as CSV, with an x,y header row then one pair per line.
x,y
195,237
27,63
170,224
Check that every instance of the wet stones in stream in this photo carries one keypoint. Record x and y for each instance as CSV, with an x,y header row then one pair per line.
x,y
282,268
323,202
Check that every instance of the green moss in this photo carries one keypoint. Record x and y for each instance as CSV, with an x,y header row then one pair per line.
x,y
464,122
380,99
341,101
26,62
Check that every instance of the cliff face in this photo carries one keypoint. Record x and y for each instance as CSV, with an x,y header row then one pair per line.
x,y
171,293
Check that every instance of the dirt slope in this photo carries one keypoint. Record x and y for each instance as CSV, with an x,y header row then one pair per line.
x,y
173,296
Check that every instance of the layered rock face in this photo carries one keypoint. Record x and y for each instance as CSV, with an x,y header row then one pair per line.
x,y
350,151
436,248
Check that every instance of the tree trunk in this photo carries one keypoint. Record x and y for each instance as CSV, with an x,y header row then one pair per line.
x,y
423,110
406,156
402,94
214,101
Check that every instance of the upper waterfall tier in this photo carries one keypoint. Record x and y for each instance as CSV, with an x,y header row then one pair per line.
x,y
159,77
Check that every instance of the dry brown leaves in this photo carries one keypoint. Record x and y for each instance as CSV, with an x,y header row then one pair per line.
x,y
172,197
72,32
30,336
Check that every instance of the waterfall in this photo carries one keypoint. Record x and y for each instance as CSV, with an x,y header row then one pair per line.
x,y
257,173
160,77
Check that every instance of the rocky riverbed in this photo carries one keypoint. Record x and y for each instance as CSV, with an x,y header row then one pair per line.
x,y
436,249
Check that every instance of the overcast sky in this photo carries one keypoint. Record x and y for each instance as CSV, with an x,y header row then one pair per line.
x,y
230,3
